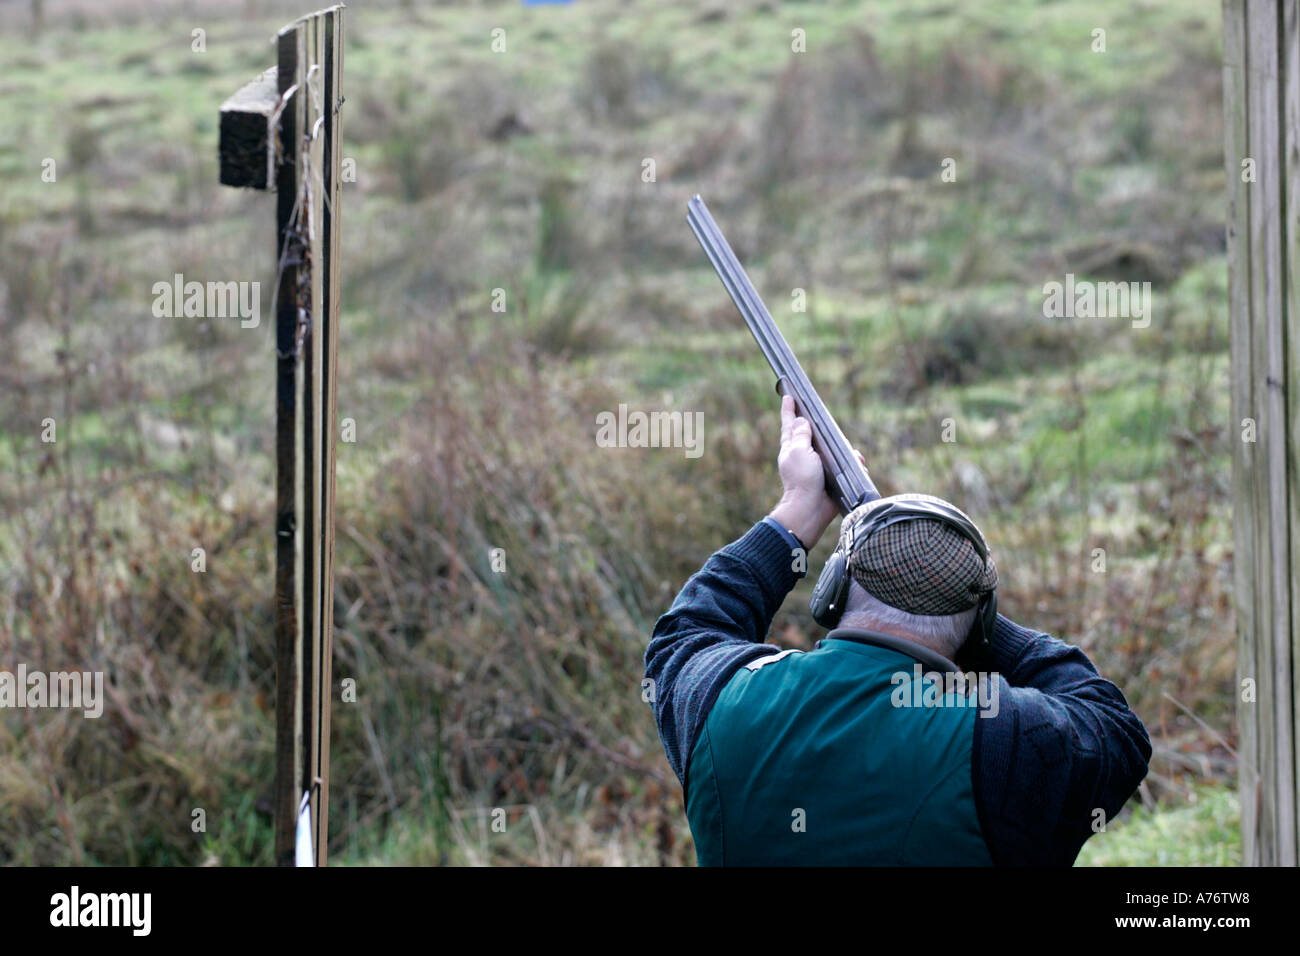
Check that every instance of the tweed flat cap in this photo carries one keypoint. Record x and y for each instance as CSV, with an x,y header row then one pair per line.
x,y
920,565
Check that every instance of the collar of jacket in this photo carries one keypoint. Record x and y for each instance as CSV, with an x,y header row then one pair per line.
x,y
932,659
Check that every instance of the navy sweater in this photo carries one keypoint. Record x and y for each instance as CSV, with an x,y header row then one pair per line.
x,y
1062,745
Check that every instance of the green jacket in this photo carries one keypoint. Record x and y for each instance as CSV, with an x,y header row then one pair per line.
x,y
786,724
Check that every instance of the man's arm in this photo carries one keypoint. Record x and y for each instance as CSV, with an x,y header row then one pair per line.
x,y
719,620
715,626
1063,749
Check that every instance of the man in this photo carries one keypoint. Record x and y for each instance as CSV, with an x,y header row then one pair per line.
x,y
872,749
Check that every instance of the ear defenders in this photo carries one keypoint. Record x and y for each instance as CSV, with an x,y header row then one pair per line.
x,y
831,591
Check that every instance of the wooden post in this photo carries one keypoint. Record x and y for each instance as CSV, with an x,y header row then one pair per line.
x,y
1262,149
283,128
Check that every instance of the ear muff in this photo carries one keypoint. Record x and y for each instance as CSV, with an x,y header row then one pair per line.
x,y
831,590
982,631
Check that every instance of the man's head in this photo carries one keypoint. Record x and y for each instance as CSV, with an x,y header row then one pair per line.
x,y
915,571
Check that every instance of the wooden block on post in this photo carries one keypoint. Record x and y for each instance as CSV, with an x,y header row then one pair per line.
x,y
247,145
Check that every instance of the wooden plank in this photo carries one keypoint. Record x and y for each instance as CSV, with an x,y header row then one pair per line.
x,y
246,144
1257,149
1277,753
333,64
307,426
288,618
313,422
1290,178
309,415
1235,81
1278,479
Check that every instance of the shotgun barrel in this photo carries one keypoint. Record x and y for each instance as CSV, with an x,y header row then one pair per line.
x,y
847,482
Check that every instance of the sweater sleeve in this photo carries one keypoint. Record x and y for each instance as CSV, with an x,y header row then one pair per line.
x,y
715,626
1062,750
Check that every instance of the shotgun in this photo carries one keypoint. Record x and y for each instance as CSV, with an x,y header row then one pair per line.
x,y
847,482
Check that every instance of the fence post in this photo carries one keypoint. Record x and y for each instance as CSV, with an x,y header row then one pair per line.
x,y
1261,145
283,128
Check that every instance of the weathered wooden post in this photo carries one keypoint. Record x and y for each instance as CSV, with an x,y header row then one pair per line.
x,y
283,129
1261,82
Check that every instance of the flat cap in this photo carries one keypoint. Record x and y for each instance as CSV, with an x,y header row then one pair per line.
x,y
920,565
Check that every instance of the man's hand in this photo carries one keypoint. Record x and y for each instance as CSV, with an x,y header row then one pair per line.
x,y
804,508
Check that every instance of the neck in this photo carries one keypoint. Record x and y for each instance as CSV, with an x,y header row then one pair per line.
x,y
893,642
866,622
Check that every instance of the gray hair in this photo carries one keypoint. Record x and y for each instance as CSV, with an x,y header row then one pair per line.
x,y
943,634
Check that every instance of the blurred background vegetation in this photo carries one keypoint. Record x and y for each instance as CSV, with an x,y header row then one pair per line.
x,y
475,430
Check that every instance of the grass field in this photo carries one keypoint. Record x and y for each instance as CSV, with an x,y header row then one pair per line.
x,y
1093,453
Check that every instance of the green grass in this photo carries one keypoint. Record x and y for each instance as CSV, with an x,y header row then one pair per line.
x,y
1203,831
